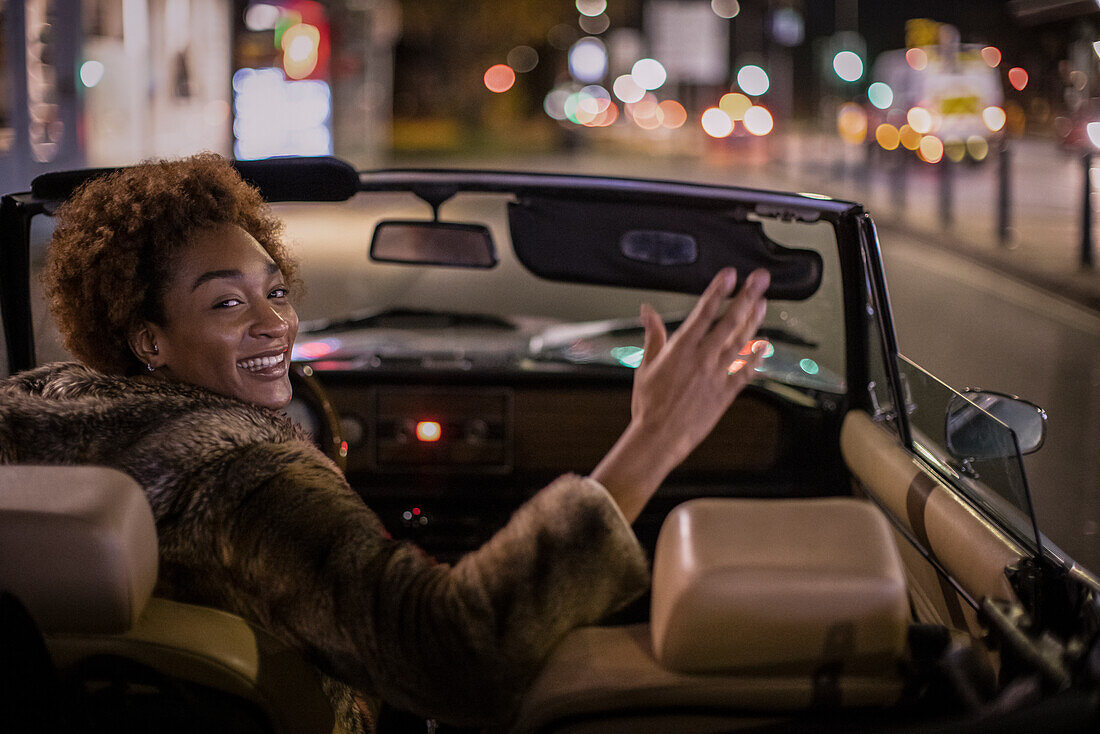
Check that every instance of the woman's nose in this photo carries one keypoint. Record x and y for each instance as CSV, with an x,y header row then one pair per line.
x,y
269,322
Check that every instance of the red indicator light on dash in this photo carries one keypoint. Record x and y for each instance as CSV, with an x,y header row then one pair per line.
x,y
428,431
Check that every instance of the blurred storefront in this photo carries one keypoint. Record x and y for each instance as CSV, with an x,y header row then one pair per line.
x,y
313,78
111,82
39,114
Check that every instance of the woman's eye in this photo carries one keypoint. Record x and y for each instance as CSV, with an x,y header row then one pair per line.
x,y
280,292
228,303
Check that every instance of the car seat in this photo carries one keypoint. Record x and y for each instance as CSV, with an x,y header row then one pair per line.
x,y
78,550
762,612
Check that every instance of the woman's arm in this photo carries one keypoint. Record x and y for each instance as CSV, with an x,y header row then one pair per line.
x,y
299,554
683,387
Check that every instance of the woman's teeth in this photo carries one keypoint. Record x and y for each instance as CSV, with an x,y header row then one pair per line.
x,y
261,363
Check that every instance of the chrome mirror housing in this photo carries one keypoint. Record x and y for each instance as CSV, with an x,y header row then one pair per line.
x,y
967,432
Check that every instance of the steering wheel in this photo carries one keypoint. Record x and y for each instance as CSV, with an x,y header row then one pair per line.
x,y
311,408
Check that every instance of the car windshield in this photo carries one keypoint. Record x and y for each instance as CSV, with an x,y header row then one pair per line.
x,y
362,314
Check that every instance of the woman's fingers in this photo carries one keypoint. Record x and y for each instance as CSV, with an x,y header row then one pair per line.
x,y
709,305
655,335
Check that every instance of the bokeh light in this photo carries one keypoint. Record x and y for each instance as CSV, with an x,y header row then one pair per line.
x,y
734,104
673,114
261,17
649,73
880,95
851,123
917,59
628,356
977,147
91,73
1017,77
605,117
626,89
725,8
931,149
1093,131
588,60
591,8
300,44
991,55
848,66
809,366
646,113
887,136
523,59
716,123
499,78
594,25
994,118
590,106
954,149
919,119
909,138
758,120
594,98
753,80
554,103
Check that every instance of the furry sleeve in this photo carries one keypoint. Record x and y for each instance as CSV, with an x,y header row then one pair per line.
x,y
306,559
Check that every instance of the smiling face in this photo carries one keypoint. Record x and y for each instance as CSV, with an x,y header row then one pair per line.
x,y
229,324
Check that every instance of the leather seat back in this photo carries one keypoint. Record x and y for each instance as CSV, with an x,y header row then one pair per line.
x,y
78,547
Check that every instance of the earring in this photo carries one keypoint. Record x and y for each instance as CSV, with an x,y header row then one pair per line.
x,y
151,367
155,350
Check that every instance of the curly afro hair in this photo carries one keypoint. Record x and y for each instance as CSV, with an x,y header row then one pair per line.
x,y
111,258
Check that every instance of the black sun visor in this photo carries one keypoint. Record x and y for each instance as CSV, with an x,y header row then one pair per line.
x,y
652,246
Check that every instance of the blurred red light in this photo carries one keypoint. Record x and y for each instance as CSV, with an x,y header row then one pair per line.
x,y
429,431
499,78
313,350
1017,77
917,58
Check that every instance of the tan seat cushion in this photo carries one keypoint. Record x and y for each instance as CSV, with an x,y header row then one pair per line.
x,y
608,676
77,546
777,587
216,649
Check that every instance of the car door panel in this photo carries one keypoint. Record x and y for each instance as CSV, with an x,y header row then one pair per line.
x,y
938,533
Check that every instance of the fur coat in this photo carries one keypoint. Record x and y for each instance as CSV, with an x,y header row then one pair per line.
x,y
254,519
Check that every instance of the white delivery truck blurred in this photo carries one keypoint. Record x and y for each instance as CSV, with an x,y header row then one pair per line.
x,y
954,85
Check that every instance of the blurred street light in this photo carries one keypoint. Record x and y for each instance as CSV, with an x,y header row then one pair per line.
x,y
753,80
880,95
649,74
848,66
588,60
1017,77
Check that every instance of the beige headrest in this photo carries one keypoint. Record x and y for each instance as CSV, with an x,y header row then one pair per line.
x,y
777,586
77,546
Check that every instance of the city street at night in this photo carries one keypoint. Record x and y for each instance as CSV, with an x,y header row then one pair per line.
x,y
549,366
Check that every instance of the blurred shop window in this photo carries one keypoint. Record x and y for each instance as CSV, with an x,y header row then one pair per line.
x,y
7,131
282,98
46,126
156,79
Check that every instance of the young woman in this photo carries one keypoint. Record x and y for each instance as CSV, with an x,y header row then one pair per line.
x,y
171,287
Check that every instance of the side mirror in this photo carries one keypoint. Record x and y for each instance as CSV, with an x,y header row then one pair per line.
x,y
971,435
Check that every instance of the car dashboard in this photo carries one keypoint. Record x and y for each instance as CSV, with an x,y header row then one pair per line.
x,y
444,453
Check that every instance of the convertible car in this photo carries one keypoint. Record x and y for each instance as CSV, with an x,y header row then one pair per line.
x,y
853,547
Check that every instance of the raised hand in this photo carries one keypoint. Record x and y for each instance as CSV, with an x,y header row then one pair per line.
x,y
683,386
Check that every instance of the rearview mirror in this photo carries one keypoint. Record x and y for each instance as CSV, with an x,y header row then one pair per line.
x,y
451,244
968,433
